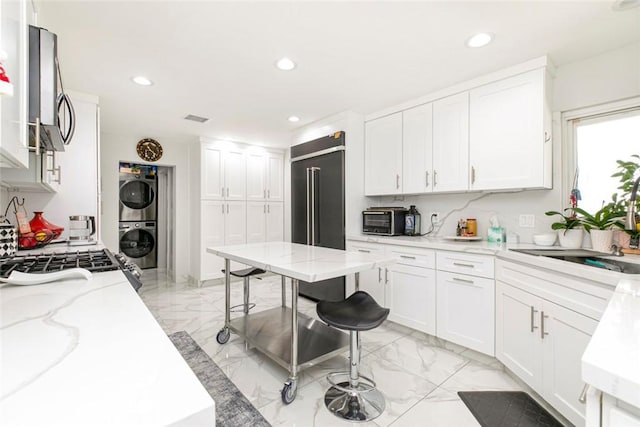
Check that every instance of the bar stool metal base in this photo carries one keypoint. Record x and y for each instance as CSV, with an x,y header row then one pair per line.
x,y
364,404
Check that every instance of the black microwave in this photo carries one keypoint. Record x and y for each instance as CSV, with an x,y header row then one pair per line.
x,y
383,221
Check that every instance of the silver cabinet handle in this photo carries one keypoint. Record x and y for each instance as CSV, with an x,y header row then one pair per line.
x,y
59,173
37,136
227,191
386,276
264,194
407,257
426,179
397,181
457,279
364,250
542,332
460,264
269,209
227,208
547,136
435,177
473,174
222,206
264,208
268,194
533,313
222,192
379,274
583,394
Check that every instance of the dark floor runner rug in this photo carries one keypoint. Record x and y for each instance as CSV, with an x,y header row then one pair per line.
x,y
507,409
232,408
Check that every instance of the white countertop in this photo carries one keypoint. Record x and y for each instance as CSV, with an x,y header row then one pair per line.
x,y
611,362
301,262
88,353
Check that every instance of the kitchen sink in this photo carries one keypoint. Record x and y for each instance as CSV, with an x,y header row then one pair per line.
x,y
586,257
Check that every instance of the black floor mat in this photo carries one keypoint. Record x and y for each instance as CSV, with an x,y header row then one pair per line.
x,y
507,409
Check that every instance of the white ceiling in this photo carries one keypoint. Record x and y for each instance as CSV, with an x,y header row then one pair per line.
x,y
216,59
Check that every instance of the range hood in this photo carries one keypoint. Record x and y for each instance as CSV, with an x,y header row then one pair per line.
x,y
44,101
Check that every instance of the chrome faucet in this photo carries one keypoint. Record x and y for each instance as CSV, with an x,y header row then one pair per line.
x,y
630,223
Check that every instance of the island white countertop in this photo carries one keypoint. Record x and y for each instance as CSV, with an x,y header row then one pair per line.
x,y
611,362
89,353
301,262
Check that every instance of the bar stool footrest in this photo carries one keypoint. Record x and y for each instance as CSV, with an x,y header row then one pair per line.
x,y
239,308
365,384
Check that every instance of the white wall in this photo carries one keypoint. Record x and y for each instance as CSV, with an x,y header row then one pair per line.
x,y
116,148
353,126
78,193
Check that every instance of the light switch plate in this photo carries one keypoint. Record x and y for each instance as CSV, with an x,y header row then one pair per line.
x,y
527,221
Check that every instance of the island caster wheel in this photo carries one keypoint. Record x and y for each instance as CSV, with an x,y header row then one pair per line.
x,y
289,391
223,336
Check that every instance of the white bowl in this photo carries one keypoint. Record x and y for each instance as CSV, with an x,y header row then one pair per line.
x,y
547,239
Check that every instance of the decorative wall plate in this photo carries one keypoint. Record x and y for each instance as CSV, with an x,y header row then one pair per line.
x,y
149,149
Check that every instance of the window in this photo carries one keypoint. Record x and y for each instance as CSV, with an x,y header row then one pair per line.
x,y
597,141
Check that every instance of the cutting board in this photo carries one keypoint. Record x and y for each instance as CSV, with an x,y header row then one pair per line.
x,y
631,251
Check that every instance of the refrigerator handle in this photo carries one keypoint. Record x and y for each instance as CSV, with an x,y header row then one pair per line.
x,y
313,204
307,209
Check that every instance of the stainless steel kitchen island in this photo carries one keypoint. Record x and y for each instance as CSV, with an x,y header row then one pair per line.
x,y
272,331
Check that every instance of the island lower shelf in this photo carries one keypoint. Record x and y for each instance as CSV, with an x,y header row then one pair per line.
x,y
269,331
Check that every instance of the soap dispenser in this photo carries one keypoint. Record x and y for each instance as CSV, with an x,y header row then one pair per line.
x,y
412,222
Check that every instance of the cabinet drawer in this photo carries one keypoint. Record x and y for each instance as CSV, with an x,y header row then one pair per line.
x,y
456,262
413,256
368,248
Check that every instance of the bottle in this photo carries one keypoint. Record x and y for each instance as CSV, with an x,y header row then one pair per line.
x,y
412,222
472,227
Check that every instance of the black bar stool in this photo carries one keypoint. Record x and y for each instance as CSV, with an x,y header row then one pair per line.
x,y
356,397
245,275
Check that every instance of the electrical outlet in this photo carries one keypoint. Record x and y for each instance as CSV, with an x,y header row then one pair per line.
x,y
435,218
527,221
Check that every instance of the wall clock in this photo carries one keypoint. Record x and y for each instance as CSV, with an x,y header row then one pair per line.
x,y
149,149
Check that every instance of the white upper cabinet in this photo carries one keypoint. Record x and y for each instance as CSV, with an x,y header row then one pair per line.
x,y
14,19
383,156
417,147
451,143
510,144
265,176
223,172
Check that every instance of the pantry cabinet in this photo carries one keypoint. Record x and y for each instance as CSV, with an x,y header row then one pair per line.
x,y
451,143
265,175
223,172
465,300
225,225
540,340
383,156
15,16
265,222
510,138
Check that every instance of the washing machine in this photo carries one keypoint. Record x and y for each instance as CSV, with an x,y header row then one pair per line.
x,y
138,196
138,242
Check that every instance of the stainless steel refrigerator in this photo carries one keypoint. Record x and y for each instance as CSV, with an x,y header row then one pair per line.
x,y
317,205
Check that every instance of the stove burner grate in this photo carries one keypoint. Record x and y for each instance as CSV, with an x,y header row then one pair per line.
x,y
94,261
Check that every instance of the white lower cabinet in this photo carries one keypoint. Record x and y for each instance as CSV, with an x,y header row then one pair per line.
x,y
542,342
265,222
371,281
465,300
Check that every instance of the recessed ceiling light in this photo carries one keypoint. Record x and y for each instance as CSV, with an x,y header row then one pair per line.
x,y
621,5
479,40
285,64
141,80
294,119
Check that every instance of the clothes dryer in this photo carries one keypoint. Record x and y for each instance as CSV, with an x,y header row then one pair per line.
x,y
138,197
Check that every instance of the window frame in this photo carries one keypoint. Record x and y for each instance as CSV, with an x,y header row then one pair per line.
x,y
593,113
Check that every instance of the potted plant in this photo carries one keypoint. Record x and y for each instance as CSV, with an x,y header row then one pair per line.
x,y
626,172
570,233
600,225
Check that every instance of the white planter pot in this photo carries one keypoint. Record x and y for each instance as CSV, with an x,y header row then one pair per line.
x,y
571,239
601,240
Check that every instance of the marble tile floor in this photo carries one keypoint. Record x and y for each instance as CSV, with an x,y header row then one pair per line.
x,y
418,374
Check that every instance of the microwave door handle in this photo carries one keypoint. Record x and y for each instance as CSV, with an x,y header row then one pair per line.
x,y
308,206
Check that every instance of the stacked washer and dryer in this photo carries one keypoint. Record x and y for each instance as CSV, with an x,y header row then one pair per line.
x,y
138,213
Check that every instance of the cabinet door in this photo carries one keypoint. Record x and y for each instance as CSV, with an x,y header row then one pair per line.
x,y
212,173
566,335
235,223
235,178
518,333
275,177
275,222
465,308
507,138
371,281
256,185
256,222
13,109
411,297
417,146
383,156
451,143
212,232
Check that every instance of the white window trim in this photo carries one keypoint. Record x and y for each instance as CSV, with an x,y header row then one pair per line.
x,y
569,140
